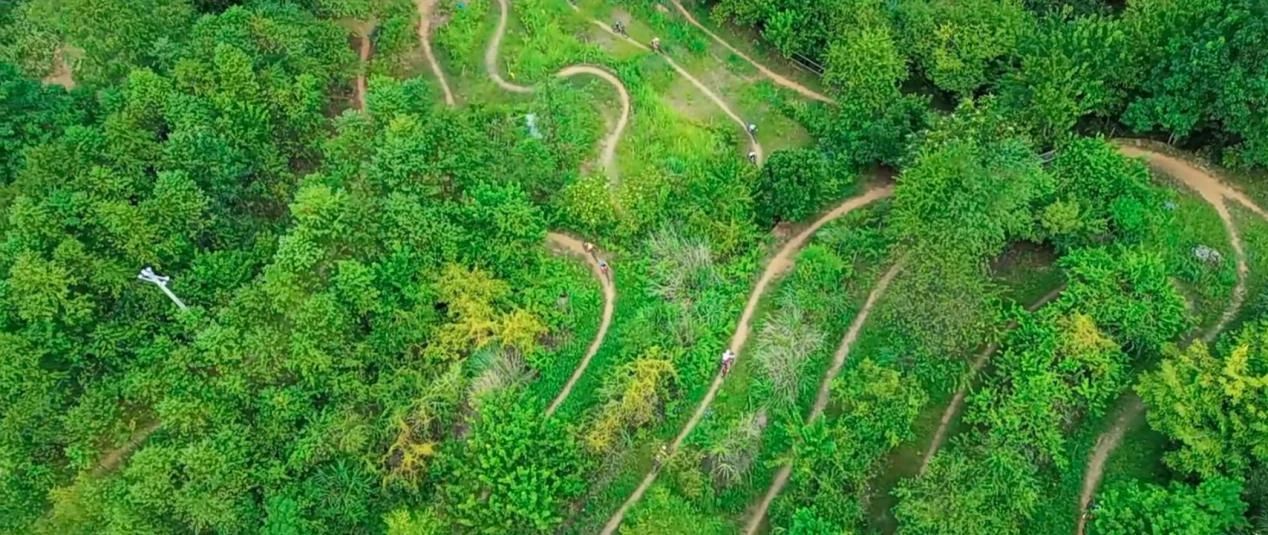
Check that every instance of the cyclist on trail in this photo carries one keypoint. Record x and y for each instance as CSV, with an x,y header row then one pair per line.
x,y
752,129
619,27
728,359
752,157
603,268
656,44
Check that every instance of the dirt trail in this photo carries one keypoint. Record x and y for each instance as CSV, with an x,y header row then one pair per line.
x,y
491,52
574,246
61,74
774,77
753,144
608,149
780,263
112,458
364,53
424,38
1215,192
957,400
1105,445
825,388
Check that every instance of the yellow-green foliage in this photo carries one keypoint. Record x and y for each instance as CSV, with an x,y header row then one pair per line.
x,y
634,399
419,429
472,296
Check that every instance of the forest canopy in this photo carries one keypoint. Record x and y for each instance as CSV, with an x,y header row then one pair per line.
x,y
636,266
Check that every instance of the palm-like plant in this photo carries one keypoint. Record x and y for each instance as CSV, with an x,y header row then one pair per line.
x,y
507,370
679,267
782,347
731,458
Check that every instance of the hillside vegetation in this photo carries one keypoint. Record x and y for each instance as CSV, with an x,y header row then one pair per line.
x,y
436,266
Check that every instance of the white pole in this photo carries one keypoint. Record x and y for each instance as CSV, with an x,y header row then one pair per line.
x,y
148,275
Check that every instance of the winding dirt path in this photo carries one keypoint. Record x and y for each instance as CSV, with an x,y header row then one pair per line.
x,y
607,157
424,38
775,267
571,245
1216,193
825,389
608,148
774,77
957,401
364,53
754,145
607,154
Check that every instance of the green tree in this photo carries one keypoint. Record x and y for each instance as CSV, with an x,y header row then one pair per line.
x,y
1214,506
117,35
792,186
1212,405
962,46
517,472
991,491
1067,70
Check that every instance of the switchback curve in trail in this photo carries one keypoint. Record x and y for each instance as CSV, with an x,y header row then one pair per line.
x,y
825,389
957,400
753,144
571,245
608,153
774,77
776,266
607,158
1216,193
424,39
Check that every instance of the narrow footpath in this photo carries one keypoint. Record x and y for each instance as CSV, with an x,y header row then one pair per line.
x,y
607,158
112,458
607,151
775,267
364,53
825,390
424,38
754,145
957,401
